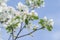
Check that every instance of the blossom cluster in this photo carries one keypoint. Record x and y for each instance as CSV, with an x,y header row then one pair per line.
x,y
35,3
47,23
10,16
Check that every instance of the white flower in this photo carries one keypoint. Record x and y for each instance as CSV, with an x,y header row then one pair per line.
x,y
2,1
9,16
34,13
19,25
12,11
3,4
3,16
1,9
35,3
51,22
22,8
24,17
17,13
45,18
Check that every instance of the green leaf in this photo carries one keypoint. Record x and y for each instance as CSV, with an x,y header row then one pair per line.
x,y
49,28
9,27
41,22
38,3
17,17
26,21
35,17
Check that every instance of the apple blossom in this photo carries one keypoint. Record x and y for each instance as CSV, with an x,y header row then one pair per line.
x,y
3,1
51,22
22,8
12,18
35,3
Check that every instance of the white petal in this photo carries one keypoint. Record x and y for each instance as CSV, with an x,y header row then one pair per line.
x,y
45,18
1,9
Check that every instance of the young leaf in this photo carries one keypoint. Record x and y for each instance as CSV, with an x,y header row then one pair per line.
x,y
26,21
49,28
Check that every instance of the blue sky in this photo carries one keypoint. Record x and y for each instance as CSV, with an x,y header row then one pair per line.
x,y
51,10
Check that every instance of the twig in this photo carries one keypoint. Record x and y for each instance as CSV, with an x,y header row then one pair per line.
x,y
12,34
29,33
9,37
19,31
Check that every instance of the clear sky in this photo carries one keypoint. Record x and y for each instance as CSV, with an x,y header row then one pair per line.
x,y
51,10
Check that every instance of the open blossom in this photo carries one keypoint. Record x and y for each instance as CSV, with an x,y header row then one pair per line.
x,y
51,22
6,14
11,10
3,12
2,1
1,9
3,15
35,3
45,18
33,13
3,4
17,13
22,8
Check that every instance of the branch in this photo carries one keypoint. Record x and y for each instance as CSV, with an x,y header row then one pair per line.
x,y
9,37
19,31
12,34
29,33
